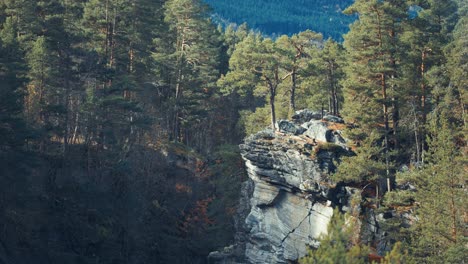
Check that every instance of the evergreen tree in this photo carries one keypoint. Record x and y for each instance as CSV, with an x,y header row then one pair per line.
x,y
41,76
437,235
336,247
255,67
47,46
425,37
22,14
13,129
457,64
294,53
119,41
325,77
192,61
372,71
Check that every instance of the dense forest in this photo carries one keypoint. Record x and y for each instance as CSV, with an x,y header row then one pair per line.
x,y
120,120
275,17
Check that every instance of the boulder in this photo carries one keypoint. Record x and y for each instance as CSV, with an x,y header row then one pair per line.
x,y
316,129
289,127
334,119
303,116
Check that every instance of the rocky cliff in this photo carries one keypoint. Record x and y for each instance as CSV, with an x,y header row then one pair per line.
x,y
289,198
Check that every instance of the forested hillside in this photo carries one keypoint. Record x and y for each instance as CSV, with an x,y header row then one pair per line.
x,y
120,121
276,17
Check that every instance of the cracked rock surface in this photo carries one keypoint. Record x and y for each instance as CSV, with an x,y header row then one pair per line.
x,y
290,205
289,198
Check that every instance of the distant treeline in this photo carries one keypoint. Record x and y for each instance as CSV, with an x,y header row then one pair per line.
x,y
277,17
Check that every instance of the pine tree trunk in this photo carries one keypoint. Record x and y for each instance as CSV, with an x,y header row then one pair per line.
x,y
423,104
386,125
333,91
292,95
179,78
383,84
395,108
272,108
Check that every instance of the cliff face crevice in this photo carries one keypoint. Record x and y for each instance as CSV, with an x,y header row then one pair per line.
x,y
289,203
289,198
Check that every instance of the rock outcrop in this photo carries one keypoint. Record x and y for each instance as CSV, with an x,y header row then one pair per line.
x,y
291,199
291,204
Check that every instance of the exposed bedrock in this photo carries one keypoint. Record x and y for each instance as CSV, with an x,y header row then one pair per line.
x,y
291,204
289,198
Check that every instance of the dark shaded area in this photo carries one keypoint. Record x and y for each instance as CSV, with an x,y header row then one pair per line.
x,y
150,208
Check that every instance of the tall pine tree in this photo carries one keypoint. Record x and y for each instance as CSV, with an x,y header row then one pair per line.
x,y
372,73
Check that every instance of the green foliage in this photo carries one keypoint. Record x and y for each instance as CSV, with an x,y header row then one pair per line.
x,y
336,246
370,71
371,86
322,85
273,71
254,69
295,54
439,199
252,122
229,174
399,198
287,17
13,130
190,56
41,75
396,255
366,166
457,65
142,104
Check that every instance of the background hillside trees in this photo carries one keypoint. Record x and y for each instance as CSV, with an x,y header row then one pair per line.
x,y
120,120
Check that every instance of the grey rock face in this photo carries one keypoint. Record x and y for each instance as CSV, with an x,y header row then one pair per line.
x,y
289,127
289,198
335,119
303,116
290,204
317,129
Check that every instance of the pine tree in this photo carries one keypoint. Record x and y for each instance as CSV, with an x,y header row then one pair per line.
x,y
294,53
22,14
425,37
437,235
13,129
457,64
372,72
336,246
190,58
325,77
41,76
255,67
118,38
